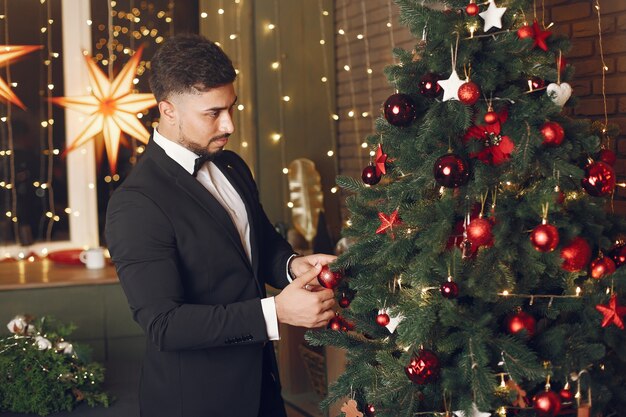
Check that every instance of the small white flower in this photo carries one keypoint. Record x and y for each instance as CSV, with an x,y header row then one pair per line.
x,y
66,347
42,343
17,325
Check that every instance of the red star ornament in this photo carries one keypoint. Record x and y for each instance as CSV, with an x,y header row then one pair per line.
x,y
387,222
381,159
497,148
540,36
612,313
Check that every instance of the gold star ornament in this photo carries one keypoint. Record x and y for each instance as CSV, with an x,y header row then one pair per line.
x,y
9,53
112,108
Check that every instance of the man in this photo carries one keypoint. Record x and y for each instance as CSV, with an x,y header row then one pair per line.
x,y
194,249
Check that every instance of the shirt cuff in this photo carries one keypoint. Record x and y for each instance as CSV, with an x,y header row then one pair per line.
x,y
271,321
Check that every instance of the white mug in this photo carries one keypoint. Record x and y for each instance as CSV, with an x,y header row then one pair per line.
x,y
93,258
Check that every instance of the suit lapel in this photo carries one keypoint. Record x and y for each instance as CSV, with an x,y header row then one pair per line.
x,y
192,187
243,190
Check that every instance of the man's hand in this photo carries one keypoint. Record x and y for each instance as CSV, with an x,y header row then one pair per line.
x,y
298,306
302,264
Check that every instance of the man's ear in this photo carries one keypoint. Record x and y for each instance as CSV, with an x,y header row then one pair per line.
x,y
168,112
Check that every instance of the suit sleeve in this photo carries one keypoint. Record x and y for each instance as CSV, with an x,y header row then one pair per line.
x,y
143,247
275,251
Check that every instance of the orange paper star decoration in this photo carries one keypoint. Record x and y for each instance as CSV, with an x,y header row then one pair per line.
x,y
112,108
613,313
7,54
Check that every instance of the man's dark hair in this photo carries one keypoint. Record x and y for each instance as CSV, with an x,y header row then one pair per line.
x,y
188,63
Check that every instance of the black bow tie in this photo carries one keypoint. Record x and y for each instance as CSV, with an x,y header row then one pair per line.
x,y
200,161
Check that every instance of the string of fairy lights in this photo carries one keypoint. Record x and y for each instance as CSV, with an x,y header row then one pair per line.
x,y
109,49
10,148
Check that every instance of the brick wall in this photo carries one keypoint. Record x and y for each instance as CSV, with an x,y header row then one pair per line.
x,y
579,21
575,18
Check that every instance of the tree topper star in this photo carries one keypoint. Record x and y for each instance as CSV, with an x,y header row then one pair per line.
x,y
9,53
112,108
613,314
493,16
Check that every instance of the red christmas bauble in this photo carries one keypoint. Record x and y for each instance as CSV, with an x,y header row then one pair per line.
x,y
451,171
370,176
547,404
602,267
576,255
544,238
328,278
521,321
552,133
479,232
472,9
607,156
423,368
566,395
469,93
449,289
491,117
370,410
399,110
344,302
536,83
618,254
525,32
383,319
336,323
429,87
599,179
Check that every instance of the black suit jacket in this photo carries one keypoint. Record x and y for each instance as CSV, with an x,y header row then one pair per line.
x,y
194,292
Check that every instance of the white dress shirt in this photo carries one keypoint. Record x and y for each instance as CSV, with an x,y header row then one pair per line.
x,y
212,178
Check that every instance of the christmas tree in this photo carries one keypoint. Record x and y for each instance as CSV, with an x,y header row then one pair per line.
x,y
484,275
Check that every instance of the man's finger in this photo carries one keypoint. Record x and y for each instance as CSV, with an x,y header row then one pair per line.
x,y
308,276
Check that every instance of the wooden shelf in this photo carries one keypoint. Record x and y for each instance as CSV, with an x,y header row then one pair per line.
x,y
43,273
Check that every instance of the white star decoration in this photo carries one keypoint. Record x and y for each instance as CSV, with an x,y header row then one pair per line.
x,y
493,16
112,108
451,86
475,413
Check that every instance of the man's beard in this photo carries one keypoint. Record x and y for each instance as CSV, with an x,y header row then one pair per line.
x,y
198,149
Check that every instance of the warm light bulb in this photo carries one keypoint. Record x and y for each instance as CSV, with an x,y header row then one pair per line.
x,y
334,190
322,42
364,145
220,11
204,15
290,204
275,65
285,170
324,79
330,153
346,67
